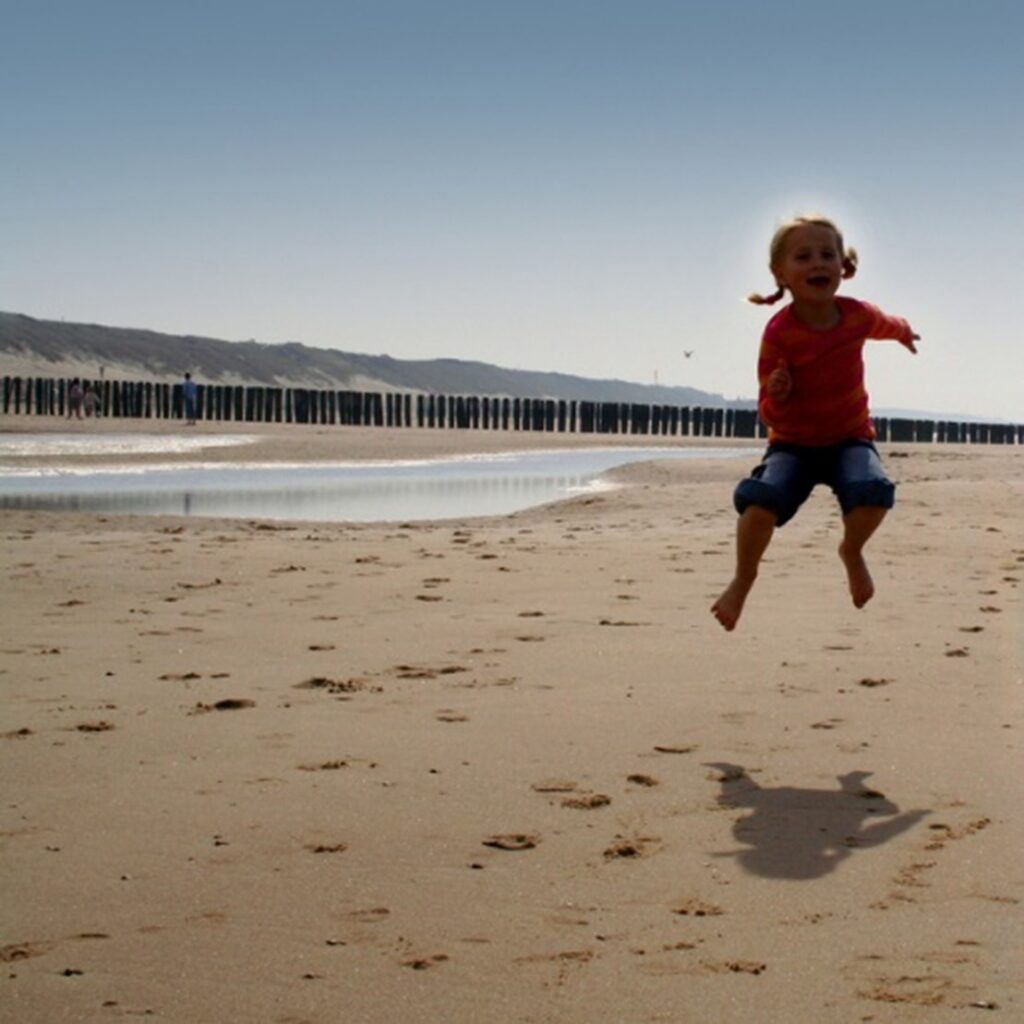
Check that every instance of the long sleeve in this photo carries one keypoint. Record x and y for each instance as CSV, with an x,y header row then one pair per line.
x,y
885,327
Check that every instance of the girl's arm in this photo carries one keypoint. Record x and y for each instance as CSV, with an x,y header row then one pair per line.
x,y
775,382
894,328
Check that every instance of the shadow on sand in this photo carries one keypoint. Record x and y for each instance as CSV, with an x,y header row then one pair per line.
x,y
802,834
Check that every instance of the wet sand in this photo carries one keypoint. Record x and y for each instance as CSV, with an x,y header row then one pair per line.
x,y
511,768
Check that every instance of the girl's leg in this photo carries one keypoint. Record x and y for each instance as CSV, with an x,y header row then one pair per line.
x,y
858,526
865,494
754,531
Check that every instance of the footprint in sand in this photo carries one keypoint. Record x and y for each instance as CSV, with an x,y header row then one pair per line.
x,y
324,766
945,833
422,672
423,963
332,686
555,786
913,987
587,802
512,841
565,958
631,848
697,908
228,704
16,951
639,779
369,915
734,966
662,967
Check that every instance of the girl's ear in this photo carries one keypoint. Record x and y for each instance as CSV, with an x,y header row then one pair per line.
x,y
849,263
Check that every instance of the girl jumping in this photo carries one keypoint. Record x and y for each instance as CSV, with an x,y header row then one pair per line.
x,y
812,399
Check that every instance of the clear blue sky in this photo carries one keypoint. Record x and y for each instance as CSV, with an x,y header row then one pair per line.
x,y
571,185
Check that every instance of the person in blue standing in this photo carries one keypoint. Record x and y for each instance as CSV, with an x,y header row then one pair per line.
x,y
75,398
190,392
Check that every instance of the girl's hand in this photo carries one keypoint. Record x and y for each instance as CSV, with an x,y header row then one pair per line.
x,y
910,344
780,382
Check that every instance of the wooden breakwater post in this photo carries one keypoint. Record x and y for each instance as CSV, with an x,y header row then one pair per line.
x,y
44,396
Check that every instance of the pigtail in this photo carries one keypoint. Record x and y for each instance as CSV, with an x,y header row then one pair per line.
x,y
766,300
849,263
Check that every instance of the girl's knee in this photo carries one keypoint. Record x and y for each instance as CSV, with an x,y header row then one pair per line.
x,y
876,493
757,497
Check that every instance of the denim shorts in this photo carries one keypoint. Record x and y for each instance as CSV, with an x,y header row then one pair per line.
x,y
789,472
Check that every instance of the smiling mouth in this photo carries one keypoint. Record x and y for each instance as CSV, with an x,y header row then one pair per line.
x,y
819,281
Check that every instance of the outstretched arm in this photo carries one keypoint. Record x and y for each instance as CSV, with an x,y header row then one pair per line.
x,y
894,328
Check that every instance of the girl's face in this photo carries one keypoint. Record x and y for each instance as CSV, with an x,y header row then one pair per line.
x,y
810,264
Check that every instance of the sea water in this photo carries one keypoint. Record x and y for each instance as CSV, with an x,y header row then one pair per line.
x,y
442,488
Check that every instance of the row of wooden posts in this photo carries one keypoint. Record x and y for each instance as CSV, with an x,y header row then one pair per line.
x,y
45,396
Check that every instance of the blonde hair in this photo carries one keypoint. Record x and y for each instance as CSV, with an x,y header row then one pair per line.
x,y
778,245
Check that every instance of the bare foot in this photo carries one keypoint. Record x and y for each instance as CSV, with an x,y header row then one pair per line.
x,y
729,606
862,586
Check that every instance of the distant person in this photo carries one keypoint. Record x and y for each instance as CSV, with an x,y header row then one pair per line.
x,y
91,401
75,397
190,392
812,399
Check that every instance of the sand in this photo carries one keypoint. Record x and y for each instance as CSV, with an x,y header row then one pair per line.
x,y
511,769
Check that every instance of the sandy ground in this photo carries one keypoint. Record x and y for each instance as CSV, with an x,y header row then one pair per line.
x,y
511,769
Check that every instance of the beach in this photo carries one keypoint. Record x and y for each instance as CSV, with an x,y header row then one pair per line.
x,y
510,768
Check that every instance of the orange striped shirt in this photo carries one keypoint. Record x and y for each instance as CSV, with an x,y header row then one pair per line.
x,y
828,403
